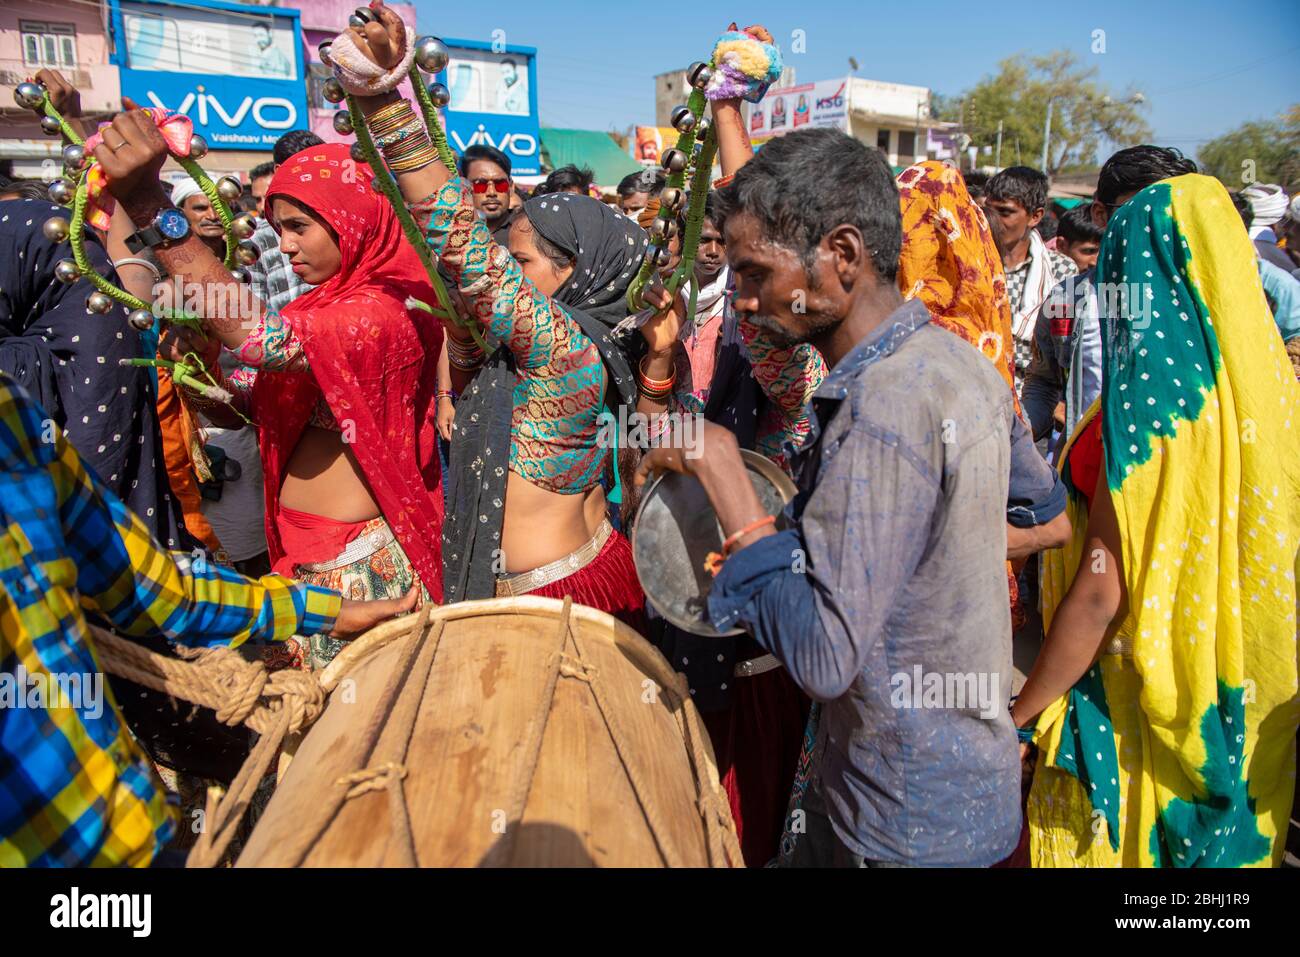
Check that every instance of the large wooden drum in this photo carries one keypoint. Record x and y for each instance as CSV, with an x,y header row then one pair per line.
x,y
509,732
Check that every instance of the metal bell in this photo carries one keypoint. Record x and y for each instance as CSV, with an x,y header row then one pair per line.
x,y
30,96
247,253
241,274
324,50
50,126
662,256
672,198
198,147
440,95
333,90
60,192
702,128
243,226
360,17
56,229
141,319
98,302
229,188
673,160
343,122
357,153
74,156
698,74
662,230
683,119
431,54
65,270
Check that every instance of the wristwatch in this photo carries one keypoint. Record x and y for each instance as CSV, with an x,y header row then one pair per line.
x,y
167,226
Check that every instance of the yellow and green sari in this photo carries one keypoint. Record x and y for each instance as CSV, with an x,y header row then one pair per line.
x,y
1177,748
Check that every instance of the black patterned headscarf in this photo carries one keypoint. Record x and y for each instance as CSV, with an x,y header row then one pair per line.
x,y
607,249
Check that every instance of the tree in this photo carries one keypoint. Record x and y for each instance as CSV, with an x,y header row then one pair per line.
x,y
1084,113
1261,151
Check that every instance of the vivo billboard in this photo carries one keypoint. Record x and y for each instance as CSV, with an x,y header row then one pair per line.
x,y
235,70
494,101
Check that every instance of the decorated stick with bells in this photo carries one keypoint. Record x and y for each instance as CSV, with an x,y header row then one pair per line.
x,y
84,187
744,64
431,55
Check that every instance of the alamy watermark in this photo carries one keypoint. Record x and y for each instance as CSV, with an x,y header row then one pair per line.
x,y
637,430
951,690
39,691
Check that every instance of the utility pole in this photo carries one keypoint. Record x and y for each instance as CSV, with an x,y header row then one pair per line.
x,y
1047,134
997,159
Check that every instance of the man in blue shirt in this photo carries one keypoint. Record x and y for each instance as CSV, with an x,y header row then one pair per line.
x,y
886,598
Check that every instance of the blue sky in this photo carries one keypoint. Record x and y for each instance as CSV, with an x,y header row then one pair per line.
x,y
1204,66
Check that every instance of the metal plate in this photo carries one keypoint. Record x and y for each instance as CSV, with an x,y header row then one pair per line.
x,y
676,528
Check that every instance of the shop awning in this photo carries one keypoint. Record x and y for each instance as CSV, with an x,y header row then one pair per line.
x,y
590,148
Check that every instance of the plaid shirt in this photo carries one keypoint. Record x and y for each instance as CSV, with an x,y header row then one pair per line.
x,y
1058,267
75,788
274,280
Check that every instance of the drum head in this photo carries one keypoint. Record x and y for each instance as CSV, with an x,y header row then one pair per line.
x,y
675,530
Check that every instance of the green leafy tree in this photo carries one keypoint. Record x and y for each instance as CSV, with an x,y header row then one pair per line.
x,y
1084,114
1261,151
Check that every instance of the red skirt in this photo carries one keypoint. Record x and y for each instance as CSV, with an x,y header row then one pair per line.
x,y
607,583
757,742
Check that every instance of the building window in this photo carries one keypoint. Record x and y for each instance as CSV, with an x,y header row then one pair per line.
x,y
882,139
906,143
48,44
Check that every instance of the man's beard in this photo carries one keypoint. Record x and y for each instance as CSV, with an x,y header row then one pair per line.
x,y
784,339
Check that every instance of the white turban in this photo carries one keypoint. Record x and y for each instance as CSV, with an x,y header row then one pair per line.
x,y
183,189
1267,203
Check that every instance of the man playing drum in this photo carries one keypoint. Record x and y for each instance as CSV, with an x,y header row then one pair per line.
x,y
887,596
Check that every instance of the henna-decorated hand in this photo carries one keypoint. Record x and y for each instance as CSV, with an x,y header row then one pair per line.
x,y
178,342
661,330
63,95
382,41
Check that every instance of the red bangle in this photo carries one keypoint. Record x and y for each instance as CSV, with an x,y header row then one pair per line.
x,y
730,541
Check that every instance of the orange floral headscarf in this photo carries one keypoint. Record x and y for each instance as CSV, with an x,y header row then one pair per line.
x,y
950,262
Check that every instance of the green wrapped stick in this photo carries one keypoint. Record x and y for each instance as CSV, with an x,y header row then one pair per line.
x,y
686,144
65,128
388,186
431,121
210,191
695,219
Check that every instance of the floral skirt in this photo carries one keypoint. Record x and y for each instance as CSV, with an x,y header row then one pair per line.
x,y
384,572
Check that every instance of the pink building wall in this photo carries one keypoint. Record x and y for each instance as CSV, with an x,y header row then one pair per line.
x,y
322,20
97,79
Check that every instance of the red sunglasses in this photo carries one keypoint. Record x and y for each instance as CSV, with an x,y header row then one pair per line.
x,y
481,185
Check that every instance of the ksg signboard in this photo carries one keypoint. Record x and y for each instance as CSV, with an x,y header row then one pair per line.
x,y
235,70
494,101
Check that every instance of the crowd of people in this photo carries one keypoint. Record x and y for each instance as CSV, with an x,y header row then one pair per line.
x,y
1000,413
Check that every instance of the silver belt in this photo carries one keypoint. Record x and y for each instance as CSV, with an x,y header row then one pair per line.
x,y
363,546
524,582
756,666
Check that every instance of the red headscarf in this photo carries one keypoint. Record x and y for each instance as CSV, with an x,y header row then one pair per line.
x,y
374,360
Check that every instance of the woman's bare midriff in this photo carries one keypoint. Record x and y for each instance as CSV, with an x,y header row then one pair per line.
x,y
323,478
541,526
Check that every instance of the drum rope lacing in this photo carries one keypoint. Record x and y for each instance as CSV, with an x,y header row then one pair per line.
x,y
277,704
273,704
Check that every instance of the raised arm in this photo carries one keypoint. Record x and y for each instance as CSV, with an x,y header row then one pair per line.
x,y
131,155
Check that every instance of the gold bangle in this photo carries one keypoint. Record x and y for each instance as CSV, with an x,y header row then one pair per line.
x,y
381,131
387,111
417,160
